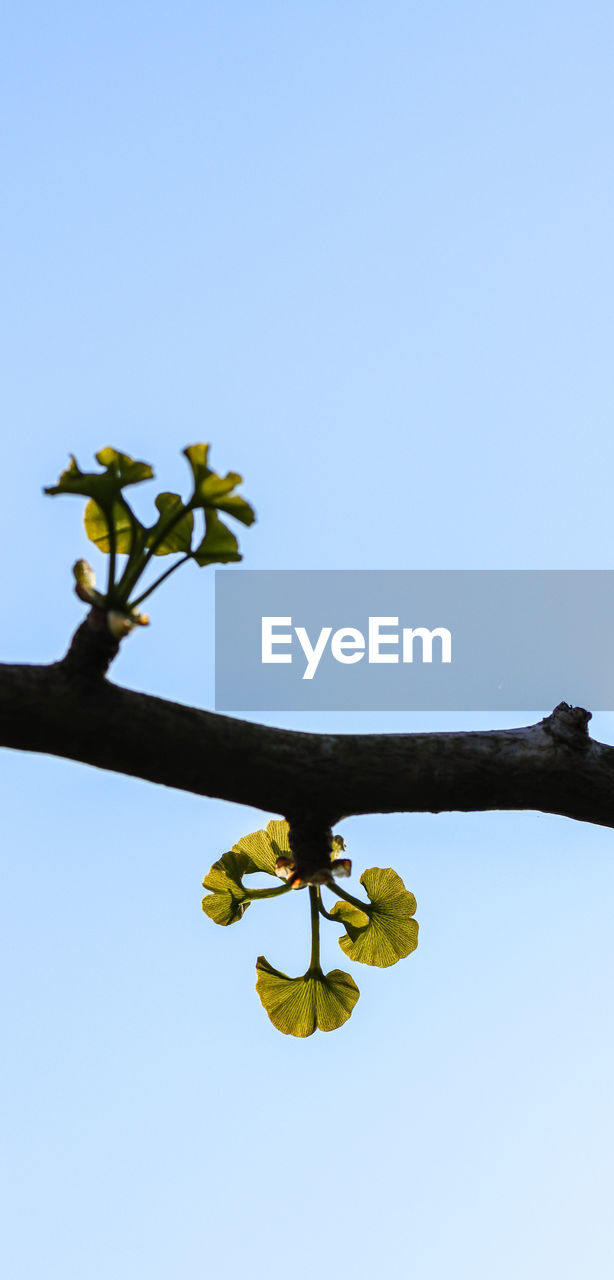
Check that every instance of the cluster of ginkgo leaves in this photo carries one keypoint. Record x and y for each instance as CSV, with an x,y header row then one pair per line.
x,y
113,526
378,932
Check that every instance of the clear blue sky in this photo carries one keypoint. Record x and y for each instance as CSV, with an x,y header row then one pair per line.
x,y
366,250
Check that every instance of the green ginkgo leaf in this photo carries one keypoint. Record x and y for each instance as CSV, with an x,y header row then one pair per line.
x,y
127,527
300,1006
123,467
179,526
385,930
236,506
106,486
265,847
229,898
213,491
219,545
226,875
224,908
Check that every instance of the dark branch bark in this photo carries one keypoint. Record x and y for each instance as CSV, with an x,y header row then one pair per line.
x,y
92,648
69,709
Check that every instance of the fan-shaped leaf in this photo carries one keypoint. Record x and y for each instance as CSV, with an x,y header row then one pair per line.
x,y
236,506
126,527
179,535
223,908
228,900
123,467
299,1006
219,545
259,851
211,490
385,931
263,848
104,487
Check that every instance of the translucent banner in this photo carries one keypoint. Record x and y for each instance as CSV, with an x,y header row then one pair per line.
x,y
414,640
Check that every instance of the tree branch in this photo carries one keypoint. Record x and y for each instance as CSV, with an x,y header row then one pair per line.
x,y
70,709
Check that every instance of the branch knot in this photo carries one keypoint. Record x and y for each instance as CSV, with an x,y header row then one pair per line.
x,y
569,724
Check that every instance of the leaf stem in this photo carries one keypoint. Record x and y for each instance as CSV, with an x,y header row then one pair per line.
x,y
314,901
131,574
145,594
155,542
267,893
134,564
341,893
136,569
112,554
326,914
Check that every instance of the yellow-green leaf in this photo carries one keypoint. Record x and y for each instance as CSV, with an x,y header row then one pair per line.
x,y
123,467
236,506
223,908
256,852
385,931
212,490
265,847
106,486
300,1006
226,874
228,899
219,545
179,535
97,527
198,458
